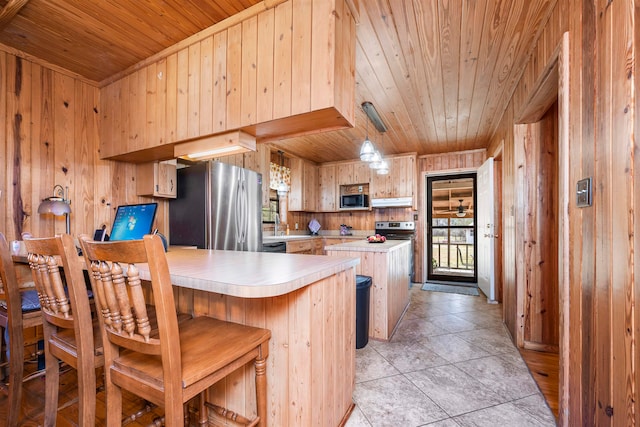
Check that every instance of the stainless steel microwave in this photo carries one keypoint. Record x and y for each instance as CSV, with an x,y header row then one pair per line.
x,y
354,201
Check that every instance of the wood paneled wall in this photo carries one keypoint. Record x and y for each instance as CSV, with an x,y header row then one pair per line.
x,y
599,121
49,136
513,252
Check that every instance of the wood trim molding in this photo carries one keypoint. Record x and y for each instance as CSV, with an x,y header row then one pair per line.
x,y
478,150
10,10
544,92
45,64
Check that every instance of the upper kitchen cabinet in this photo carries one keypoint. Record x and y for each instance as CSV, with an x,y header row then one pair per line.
x,y
304,183
353,173
284,71
400,182
157,179
327,188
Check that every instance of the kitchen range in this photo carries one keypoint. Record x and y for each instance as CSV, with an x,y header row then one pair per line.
x,y
399,230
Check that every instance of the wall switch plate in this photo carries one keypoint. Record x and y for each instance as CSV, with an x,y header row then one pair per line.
x,y
583,193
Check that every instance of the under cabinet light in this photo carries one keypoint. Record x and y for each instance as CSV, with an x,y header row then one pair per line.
x,y
217,145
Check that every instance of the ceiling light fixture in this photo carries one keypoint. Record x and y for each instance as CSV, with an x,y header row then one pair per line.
x,y
282,186
373,115
367,149
380,165
375,162
461,213
58,205
217,145
383,168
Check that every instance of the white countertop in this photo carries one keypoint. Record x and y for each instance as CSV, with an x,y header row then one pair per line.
x,y
249,274
363,245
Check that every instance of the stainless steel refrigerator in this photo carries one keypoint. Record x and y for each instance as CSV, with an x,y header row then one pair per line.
x,y
219,206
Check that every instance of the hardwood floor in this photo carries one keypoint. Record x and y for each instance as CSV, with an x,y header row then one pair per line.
x,y
138,413
545,369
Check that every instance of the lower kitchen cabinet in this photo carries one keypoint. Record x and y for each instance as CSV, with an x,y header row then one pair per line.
x,y
301,246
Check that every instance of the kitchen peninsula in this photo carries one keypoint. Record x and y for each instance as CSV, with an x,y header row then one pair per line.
x,y
388,265
308,303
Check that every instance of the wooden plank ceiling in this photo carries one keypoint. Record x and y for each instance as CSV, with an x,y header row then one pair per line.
x,y
439,72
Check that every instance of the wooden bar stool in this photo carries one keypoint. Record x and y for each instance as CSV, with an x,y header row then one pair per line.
x,y
70,334
18,311
183,359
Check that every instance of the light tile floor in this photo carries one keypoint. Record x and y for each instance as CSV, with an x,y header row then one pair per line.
x,y
450,363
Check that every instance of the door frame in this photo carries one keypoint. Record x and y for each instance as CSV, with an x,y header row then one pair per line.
x,y
425,207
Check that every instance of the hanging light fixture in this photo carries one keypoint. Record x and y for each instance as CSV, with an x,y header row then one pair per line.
x,y
58,205
282,186
367,149
383,168
376,161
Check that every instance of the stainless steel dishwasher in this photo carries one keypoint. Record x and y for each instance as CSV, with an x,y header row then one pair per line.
x,y
274,247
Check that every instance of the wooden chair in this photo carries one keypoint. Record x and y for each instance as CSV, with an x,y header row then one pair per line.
x,y
70,335
183,359
19,311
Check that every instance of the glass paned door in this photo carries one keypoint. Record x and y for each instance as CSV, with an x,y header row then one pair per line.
x,y
451,228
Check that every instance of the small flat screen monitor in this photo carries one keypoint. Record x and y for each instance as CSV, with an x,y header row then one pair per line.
x,y
133,221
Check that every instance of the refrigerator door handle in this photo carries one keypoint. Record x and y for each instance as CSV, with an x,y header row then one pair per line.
x,y
245,213
238,212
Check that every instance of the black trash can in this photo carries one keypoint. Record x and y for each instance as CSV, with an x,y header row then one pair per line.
x,y
363,285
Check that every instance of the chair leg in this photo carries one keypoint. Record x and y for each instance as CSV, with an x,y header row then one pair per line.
x,y
173,414
261,390
51,385
203,412
113,401
87,395
16,373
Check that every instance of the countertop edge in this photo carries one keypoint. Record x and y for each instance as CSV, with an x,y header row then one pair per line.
x,y
296,272
364,246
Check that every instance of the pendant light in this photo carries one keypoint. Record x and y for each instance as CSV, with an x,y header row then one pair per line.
x,y
282,186
367,150
375,162
383,166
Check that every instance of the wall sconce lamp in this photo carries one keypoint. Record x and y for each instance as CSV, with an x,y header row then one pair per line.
x,y
58,204
217,145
